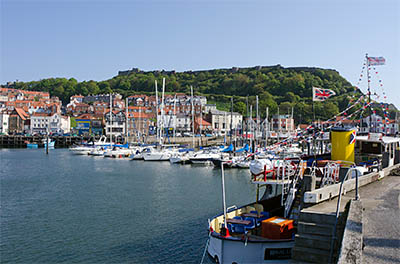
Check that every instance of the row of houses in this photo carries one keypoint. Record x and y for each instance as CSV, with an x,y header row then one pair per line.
x,y
38,113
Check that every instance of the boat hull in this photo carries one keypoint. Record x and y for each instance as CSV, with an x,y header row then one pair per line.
x,y
156,157
228,250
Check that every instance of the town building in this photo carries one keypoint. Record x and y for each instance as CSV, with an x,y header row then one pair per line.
x,y
4,116
282,123
116,128
221,121
42,123
17,121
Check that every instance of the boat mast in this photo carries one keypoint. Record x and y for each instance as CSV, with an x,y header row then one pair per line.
x,y
191,92
230,136
111,120
174,119
157,111
223,192
257,118
279,124
247,118
369,94
140,130
162,112
266,126
251,128
201,118
127,120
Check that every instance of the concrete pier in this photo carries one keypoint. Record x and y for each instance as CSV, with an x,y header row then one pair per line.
x,y
377,214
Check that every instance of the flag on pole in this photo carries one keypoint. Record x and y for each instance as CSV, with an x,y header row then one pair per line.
x,y
376,61
320,94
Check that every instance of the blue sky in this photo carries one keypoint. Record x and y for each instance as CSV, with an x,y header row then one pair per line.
x,y
94,39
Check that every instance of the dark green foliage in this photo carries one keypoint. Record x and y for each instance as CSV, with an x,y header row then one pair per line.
x,y
275,86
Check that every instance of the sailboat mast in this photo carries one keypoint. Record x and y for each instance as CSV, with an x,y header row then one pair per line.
x,y
191,92
251,127
127,120
157,111
140,130
266,126
111,124
162,112
247,117
257,117
175,118
230,136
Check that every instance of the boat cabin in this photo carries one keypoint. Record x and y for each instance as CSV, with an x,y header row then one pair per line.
x,y
375,147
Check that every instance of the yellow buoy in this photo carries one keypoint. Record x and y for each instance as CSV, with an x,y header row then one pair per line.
x,y
342,140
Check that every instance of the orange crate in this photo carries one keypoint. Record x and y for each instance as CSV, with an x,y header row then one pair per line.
x,y
277,228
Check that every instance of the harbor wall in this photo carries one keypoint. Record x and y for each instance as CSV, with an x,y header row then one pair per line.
x,y
351,250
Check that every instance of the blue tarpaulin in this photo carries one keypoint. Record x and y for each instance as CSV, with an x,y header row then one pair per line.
x,y
228,149
245,148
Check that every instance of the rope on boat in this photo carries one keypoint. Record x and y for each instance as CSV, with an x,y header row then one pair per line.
x,y
205,249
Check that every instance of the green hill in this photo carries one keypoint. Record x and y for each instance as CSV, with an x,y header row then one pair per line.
x,y
274,85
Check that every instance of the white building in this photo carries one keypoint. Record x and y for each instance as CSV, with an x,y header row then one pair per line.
x,y
43,123
117,127
4,123
221,121
65,124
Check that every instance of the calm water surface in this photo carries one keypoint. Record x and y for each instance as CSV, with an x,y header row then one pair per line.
x,y
63,208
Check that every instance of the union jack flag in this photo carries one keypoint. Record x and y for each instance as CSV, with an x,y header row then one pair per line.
x,y
376,61
320,94
352,137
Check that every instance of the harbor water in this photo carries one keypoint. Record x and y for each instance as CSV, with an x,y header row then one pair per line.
x,y
63,208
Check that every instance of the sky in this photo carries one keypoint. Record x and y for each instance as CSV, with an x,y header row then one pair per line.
x,y
94,39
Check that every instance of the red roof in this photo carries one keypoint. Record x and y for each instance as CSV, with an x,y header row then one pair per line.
x,y
21,113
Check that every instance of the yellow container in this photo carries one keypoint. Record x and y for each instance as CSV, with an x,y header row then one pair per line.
x,y
342,140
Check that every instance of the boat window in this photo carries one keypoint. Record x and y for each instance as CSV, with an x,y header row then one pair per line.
x,y
372,148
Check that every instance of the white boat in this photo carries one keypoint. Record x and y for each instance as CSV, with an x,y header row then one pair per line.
x,y
204,157
139,152
179,158
118,153
99,151
240,235
81,150
157,155
258,166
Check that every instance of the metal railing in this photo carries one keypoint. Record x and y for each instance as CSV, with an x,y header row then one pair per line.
x,y
338,208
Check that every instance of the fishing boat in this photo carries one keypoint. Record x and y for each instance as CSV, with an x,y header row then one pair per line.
x,y
264,231
250,233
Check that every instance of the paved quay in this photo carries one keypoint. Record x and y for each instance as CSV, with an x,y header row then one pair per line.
x,y
381,218
381,221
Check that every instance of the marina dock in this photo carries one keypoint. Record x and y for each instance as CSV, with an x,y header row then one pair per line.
x,y
367,231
